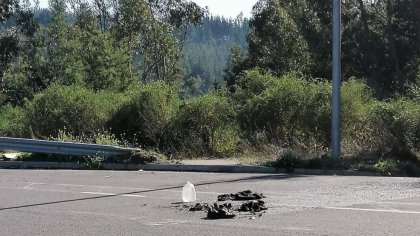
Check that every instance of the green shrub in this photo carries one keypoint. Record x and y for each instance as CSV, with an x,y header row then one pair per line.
x,y
287,160
292,112
12,122
74,109
146,113
252,83
100,137
400,122
17,87
359,132
414,90
146,156
410,169
204,126
387,166
325,162
289,113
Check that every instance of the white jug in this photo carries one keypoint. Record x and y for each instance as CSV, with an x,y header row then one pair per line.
x,y
188,193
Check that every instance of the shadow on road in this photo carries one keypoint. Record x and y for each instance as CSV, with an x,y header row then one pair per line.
x,y
261,177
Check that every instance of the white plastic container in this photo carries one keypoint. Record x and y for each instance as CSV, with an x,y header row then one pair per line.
x,y
188,193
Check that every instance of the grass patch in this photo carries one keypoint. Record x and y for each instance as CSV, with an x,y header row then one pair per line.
x,y
290,160
387,166
95,162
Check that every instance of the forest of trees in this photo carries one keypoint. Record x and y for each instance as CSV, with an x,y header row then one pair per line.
x,y
380,40
205,52
167,75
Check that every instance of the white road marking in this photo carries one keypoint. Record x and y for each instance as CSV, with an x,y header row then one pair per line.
x,y
372,210
133,188
33,189
92,213
119,187
211,193
47,190
132,195
114,194
101,186
292,205
167,222
32,184
96,193
400,203
297,229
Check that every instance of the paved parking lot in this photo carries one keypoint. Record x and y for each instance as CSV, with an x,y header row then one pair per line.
x,y
64,202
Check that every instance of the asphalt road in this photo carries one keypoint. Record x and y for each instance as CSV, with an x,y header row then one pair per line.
x,y
63,202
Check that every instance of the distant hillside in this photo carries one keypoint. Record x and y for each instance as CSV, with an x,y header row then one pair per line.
x,y
207,49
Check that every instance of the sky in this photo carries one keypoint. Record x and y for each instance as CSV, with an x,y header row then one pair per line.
x,y
226,8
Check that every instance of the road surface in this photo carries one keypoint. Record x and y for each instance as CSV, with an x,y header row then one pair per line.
x,y
66,202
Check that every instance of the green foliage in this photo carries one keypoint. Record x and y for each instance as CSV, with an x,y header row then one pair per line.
x,y
146,156
380,40
252,83
75,109
17,87
12,122
106,64
409,169
59,75
359,132
99,137
414,90
400,121
235,65
292,112
6,9
287,160
203,126
9,47
387,166
275,42
206,50
287,111
146,113
325,162
148,29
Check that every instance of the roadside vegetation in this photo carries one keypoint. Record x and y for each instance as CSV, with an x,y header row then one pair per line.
x,y
95,73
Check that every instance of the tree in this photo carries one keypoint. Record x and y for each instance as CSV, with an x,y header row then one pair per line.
x,y
7,7
148,28
380,40
8,38
275,43
236,64
21,78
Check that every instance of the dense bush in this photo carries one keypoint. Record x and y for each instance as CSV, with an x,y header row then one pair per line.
x,y
204,126
12,122
293,112
145,113
17,87
74,109
360,133
288,112
400,120
264,110
252,83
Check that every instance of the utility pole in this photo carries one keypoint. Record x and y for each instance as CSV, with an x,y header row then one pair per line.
x,y
336,80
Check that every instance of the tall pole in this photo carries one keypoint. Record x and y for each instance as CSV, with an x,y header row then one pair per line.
x,y
336,80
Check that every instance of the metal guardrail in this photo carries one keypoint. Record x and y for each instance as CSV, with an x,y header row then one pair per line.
x,y
64,148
